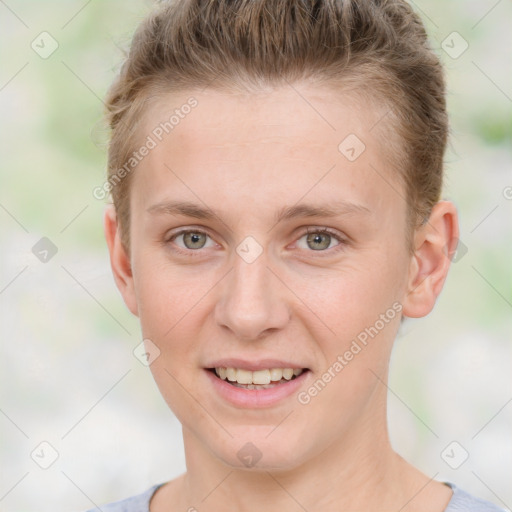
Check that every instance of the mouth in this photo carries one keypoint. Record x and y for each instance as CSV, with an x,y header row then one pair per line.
x,y
259,379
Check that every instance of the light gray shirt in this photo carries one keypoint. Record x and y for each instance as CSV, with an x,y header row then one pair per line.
x,y
461,501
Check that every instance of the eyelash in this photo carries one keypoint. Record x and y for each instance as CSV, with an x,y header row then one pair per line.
x,y
321,231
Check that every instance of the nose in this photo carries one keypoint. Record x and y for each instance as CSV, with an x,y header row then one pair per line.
x,y
253,301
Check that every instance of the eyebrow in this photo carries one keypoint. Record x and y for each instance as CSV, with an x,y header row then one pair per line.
x,y
184,208
189,209
337,209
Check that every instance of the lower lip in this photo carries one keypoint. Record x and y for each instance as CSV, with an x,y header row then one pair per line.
x,y
255,398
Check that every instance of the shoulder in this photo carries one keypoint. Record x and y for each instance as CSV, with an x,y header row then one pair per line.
x,y
138,503
464,502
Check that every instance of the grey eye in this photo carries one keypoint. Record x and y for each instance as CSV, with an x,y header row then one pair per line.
x,y
318,241
194,240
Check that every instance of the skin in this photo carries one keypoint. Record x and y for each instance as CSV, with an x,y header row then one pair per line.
x,y
246,156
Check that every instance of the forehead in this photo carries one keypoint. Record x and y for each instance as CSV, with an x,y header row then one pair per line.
x,y
281,142
290,115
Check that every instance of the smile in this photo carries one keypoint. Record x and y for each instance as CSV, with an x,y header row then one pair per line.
x,y
260,379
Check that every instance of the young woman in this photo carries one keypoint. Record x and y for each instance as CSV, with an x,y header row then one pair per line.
x,y
276,170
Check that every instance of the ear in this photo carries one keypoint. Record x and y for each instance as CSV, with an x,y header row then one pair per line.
x,y
435,244
119,259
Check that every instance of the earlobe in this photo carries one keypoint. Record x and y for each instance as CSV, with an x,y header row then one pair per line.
x,y
119,259
435,244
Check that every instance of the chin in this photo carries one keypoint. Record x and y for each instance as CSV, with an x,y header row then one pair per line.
x,y
253,452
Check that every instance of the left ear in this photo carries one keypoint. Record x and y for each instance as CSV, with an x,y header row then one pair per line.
x,y
435,244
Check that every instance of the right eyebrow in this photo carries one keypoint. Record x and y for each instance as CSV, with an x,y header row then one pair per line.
x,y
184,208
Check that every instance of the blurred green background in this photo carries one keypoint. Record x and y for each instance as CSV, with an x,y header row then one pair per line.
x,y
69,377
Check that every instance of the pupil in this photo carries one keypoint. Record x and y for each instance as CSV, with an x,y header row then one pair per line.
x,y
193,240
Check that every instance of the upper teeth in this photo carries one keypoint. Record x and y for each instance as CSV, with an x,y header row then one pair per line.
x,y
257,377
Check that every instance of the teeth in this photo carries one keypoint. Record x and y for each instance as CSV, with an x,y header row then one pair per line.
x,y
261,377
243,377
288,373
276,374
230,374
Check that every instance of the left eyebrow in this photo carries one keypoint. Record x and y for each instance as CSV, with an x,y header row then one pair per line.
x,y
339,208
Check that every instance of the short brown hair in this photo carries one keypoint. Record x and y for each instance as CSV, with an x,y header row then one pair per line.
x,y
228,44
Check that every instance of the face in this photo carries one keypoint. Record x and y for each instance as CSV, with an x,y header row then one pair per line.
x,y
257,243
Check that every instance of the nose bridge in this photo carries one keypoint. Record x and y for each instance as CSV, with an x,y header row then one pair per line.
x,y
251,301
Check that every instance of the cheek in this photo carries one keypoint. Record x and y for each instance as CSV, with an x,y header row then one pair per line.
x,y
362,309
170,299
351,299
172,313
171,309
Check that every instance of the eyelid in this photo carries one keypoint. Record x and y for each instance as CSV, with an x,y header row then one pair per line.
x,y
323,229
182,231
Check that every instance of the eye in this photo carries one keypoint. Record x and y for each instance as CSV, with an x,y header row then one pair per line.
x,y
319,240
191,240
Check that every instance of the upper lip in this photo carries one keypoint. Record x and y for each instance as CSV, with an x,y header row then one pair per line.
x,y
260,364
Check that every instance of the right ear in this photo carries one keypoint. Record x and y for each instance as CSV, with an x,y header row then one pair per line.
x,y
119,259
